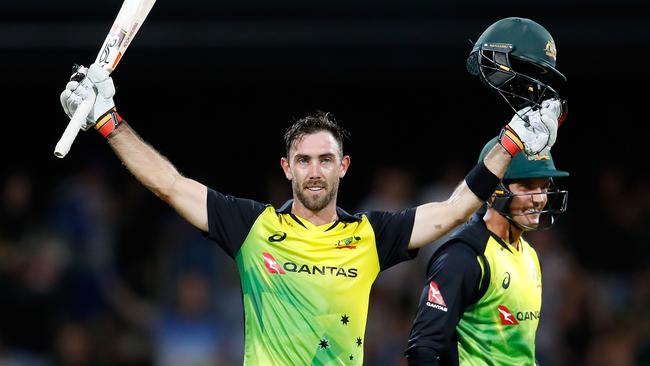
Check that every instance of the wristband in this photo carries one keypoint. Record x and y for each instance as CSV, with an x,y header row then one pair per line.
x,y
510,141
481,181
108,122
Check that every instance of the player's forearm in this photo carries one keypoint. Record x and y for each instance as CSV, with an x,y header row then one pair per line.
x,y
497,160
147,165
435,219
188,197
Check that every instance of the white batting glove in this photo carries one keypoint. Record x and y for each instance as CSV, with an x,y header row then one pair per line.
x,y
83,84
532,131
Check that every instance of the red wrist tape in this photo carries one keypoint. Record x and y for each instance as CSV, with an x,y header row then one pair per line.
x,y
108,122
510,141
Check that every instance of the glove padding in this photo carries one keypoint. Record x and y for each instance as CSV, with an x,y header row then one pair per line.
x,y
83,84
537,129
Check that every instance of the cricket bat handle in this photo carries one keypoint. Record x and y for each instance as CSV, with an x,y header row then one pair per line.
x,y
71,131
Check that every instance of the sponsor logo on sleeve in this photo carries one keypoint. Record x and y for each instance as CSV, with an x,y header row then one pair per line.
x,y
435,299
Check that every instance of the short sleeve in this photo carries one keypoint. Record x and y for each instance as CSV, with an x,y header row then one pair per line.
x,y
230,219
392,235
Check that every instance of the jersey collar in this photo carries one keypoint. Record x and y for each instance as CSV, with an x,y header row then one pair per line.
x,y
476,234
341,213
477,221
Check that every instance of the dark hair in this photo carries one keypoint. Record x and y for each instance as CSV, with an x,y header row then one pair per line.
x,y
321,121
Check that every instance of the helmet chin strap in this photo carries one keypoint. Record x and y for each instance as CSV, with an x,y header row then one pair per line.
x,y
510,238
521,227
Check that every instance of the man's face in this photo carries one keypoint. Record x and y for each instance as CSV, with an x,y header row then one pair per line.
x,y
314,167
528,200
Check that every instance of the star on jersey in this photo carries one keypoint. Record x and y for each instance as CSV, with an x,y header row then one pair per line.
x,y
323,343
345,319
359,342
351,357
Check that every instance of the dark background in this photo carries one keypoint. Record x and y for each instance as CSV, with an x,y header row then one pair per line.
x,y
212,85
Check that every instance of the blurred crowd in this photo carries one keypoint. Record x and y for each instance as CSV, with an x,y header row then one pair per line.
x,y
97,271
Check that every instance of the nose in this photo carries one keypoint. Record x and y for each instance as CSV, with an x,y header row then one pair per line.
x,y
314,170
538,197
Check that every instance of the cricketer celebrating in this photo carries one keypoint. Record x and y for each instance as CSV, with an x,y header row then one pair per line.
x,y
482,300
306,268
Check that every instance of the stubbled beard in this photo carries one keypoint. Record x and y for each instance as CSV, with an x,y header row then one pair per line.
x,y
314,203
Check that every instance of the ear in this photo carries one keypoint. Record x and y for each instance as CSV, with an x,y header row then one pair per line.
x,y
284,163
345,164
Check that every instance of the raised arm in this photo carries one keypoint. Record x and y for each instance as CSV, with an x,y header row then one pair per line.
x,y
186,196
435,219
530,132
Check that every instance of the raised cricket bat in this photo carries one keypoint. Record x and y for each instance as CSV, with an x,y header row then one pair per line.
x,y
127,23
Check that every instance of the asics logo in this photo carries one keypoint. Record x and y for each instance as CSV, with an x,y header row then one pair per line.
x,y
278,236
506,281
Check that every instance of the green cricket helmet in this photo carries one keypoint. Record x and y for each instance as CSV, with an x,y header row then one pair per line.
x,y
522,168
516,58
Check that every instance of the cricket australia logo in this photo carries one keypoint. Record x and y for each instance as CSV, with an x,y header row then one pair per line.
x,y
550,50
348,243
435,299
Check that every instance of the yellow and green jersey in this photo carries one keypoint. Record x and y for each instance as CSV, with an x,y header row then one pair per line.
x,y
481,304
306,288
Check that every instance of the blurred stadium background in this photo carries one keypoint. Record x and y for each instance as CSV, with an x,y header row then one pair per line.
x,y
94,270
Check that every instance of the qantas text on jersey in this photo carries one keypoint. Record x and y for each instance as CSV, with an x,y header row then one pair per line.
x,y
273,267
